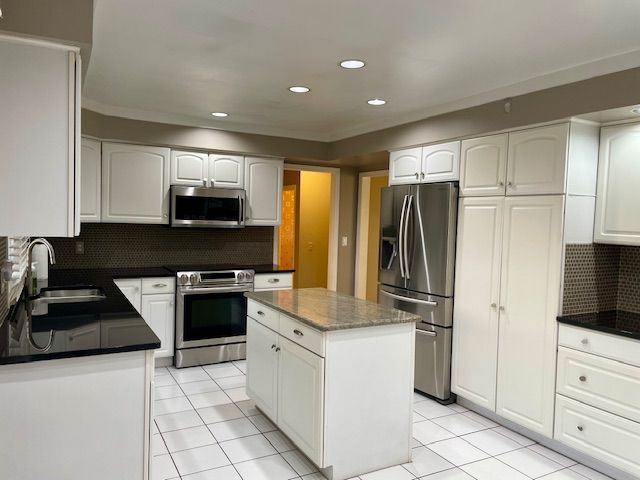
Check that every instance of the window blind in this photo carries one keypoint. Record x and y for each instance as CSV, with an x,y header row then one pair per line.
x,y
18,257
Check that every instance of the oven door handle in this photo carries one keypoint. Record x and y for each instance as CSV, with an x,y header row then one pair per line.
x,y
184,291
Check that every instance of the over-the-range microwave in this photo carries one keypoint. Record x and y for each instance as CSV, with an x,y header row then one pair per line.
x,y
207,207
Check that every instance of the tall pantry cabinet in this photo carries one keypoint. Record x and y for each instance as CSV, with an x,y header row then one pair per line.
x,y
509,266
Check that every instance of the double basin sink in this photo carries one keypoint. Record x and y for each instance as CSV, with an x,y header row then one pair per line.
x,y
68,295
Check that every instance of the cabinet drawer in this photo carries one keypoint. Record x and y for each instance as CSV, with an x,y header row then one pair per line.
x,y
158,285
611,346
600,382
301,334
264,315
273,281
607,437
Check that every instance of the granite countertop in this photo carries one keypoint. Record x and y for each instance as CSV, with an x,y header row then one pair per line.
x,y
262,268
616,322
111,325
327,310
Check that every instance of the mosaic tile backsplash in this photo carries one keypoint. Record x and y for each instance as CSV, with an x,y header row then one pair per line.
x,y
114,245
601,277
4,307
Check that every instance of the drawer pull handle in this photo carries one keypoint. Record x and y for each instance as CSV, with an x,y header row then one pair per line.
x,y
260,312
273,346
273,280
584,341
494,305
277,349
580,428
582,378
298,333
159,285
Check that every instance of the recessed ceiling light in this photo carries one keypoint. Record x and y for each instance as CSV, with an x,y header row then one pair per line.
x,y
219,114
635,110
299,89
352,63
376,102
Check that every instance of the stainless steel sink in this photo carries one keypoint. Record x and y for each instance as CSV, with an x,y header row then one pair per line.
x,y
70,295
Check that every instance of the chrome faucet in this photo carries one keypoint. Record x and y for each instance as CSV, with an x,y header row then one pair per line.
x,y
52,259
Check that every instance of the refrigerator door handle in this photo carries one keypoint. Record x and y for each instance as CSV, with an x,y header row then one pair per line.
x,y
409,299
404,238
427,333
400,236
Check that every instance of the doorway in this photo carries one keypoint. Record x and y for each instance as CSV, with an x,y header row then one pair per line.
x,y
368,235
305,239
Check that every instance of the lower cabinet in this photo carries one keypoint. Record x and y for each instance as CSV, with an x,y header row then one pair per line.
x,y
261,345
159,312
132,289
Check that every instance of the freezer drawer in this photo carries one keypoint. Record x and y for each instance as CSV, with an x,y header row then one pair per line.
x,y
433,360
431,308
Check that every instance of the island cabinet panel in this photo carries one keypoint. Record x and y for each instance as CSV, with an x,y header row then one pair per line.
x,y
261,349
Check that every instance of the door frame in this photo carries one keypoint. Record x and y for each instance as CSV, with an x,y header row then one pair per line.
x,y
362,231
334,218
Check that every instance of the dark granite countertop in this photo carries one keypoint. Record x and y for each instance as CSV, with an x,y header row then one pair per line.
x,y
616,322
111,325
326,310
262,268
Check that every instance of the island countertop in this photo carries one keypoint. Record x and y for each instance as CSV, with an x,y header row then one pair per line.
x,y
326,310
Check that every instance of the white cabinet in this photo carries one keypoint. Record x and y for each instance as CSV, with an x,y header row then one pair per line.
x,y
301,397
90,209
529,302
226,171
263,183
261,345
132,289
507,299
39,138
475,316
405,166
440,163
537,160
189,168
483,166
159,312
618,198
135,184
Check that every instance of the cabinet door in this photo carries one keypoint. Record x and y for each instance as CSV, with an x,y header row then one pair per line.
x,y
189,168
91,173
132,289
159,312
263,182
483,166
529,303
135,184
405,166
441,163
537,161
262,367
475,317
226,171
617,218
301,398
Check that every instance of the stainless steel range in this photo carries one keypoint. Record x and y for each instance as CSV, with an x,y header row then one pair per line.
x,y
211,316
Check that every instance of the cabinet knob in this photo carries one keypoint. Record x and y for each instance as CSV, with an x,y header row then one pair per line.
x,y
273,280
502,308
580,428
277,349
261,313
509,184
298,333
584,341
501,183
273,346
422,175
164,215
417,175
582,378
494,305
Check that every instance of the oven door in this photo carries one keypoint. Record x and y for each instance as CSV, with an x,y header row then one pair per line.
x,y
207,207
208,316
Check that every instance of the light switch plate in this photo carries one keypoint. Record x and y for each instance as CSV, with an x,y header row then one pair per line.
x,y
345,241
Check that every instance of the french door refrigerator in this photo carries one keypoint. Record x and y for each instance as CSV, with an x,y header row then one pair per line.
x,y
417,257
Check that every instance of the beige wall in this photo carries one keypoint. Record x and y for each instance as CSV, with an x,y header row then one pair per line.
x,y
375,187
347,226
313,232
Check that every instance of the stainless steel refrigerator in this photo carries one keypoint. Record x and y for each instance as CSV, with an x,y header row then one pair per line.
x,y
417,256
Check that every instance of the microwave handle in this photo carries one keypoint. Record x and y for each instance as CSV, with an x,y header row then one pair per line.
x,y
241,212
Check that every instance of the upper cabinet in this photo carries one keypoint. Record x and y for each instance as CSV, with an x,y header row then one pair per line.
x,y
226,171
189,168
90,210
618,198
135,184
263,183
432,163
483,166
537,160
40,138
405,166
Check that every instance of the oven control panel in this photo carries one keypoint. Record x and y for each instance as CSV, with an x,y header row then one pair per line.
x,y
220,277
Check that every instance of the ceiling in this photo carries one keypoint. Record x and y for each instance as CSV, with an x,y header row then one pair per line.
x,y
175,61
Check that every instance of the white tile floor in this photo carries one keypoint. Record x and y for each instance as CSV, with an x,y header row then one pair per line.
x,y
206,428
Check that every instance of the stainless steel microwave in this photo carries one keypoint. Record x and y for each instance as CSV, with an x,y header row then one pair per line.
x,y
207,207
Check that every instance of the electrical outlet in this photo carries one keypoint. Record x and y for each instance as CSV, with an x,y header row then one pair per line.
x,y
80,248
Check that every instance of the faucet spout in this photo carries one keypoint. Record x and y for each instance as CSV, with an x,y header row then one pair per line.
x,y
52,259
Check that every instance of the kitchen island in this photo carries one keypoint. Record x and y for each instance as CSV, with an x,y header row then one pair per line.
x,y
335,374
76,384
